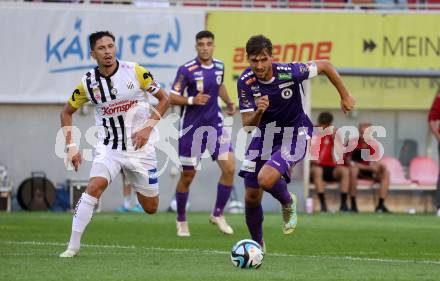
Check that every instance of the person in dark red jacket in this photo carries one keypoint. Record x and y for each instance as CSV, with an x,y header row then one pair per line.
x,y
433,120
325,169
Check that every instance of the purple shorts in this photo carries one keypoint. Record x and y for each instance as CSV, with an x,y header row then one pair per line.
x,y
281,159
194,143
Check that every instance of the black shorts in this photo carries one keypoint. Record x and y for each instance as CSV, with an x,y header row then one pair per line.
x,y
327,173
366,175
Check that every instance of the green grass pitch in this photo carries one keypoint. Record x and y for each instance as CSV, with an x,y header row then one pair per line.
x,y
142,247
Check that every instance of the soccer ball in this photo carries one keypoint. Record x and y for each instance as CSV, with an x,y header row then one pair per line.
x,y
247,254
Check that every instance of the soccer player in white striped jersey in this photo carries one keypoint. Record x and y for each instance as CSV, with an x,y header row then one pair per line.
x,y
119,91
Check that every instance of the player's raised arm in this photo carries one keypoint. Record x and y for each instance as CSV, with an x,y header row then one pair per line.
x,y
347,100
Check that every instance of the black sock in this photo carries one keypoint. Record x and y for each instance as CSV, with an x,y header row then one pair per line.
x,y
380,204
322,201
343,199
353,203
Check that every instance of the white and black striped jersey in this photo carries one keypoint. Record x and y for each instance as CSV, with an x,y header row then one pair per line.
x,y
121,101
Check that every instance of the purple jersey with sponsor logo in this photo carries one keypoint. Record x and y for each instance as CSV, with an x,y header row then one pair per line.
x,y
285,101
192,78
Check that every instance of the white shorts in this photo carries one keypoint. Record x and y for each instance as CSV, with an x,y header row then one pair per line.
x,y
139,167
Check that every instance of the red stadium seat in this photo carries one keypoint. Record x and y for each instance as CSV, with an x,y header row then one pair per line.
x,y
397,176
436,2
265,3
341,2
230,3
293,4
423,171
195,3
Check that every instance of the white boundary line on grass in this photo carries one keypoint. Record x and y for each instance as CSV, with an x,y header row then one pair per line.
x,y
211,251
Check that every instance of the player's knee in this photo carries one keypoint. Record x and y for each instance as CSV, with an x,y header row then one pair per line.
x,y
252,198
345,173
316,172
94,189
265,181
150,209
354,171
229,170
188,176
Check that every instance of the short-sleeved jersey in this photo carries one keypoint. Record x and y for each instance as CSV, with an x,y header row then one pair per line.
x,y
192,78
356,154
285,98
121,101
326,151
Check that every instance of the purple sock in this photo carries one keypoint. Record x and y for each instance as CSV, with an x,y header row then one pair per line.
x,y
181,199
279,191
254,221
223,193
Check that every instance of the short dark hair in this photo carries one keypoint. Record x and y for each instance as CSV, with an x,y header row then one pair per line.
x,y
325,118
98,35
257,44
204,34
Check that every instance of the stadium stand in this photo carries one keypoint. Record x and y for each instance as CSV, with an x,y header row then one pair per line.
x,y
270,4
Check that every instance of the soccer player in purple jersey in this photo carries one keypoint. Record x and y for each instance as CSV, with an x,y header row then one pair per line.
x,y
270,99
201,128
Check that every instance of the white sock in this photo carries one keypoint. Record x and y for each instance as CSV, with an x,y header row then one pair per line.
x,y
81,218
127,202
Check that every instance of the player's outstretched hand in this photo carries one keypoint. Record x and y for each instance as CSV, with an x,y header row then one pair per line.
x,y
140,138
201,99
230,108
263,104
75,157
347,103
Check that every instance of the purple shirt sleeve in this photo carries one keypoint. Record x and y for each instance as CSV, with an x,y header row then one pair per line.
x,y
180,82
245,97
302,71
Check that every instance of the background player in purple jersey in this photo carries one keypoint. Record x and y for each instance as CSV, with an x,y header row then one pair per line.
x,y
202,122
270,96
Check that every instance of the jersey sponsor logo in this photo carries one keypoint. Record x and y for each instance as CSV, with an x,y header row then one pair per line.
x,y
255,88
286,93
122,106
130,86
96,93
219,65
198,73
219,73
113,91
250,81
286,68
284,76
244,99
218,80
94,84
248,166
192,68
284,85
